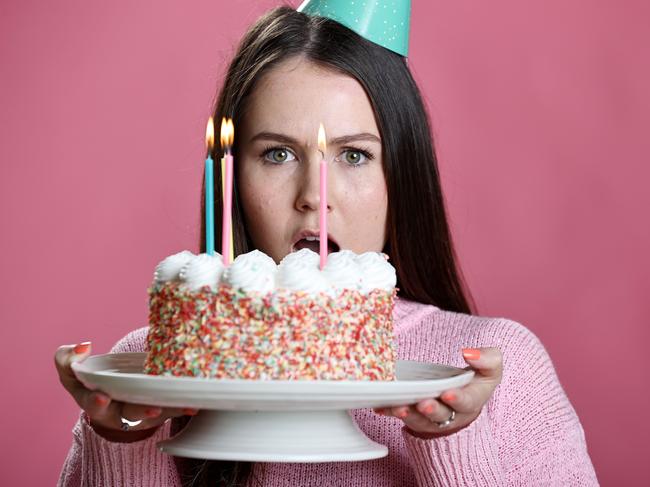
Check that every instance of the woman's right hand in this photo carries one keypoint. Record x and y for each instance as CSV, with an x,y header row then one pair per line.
x,y
105,414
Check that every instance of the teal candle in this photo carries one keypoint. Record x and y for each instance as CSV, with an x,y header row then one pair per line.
x,y
209,205
209,189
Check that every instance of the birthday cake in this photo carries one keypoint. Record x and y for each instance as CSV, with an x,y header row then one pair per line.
x,y
261,321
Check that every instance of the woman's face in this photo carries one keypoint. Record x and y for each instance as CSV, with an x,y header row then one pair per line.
x,y
279,162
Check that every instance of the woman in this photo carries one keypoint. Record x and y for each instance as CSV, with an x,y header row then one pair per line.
x,y
512,425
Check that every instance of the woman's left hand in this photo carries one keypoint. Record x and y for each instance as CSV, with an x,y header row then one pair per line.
x,y
422,418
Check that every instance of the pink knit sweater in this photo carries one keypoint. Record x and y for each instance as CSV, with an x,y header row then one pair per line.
x,y
527,434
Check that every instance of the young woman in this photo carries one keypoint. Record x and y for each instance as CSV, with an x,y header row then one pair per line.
x,y
512,425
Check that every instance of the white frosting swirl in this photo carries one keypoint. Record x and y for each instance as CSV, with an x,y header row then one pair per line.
x,y
305,257
254,271
299,271
171,266
342,270
202,270
376,271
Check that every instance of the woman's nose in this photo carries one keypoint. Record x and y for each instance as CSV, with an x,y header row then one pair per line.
x,y
308,197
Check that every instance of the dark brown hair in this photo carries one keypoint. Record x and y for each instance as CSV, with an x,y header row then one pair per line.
x,y
419,242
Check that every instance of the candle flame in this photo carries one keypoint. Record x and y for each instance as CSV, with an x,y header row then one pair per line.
x,y
322,141
209,135
227,133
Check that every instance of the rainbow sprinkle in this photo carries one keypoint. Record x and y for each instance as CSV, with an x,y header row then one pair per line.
x,y
283,335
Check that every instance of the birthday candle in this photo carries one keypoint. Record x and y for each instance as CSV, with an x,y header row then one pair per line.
x,y
227,138
209,189
223,192
322,146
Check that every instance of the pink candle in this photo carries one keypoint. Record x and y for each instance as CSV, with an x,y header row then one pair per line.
x,y
227,213
227,138
323,198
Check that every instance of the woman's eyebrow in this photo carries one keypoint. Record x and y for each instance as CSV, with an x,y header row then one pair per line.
x,y
344,139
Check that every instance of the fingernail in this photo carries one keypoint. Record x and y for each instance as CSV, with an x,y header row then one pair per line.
x,y
101,400
81,348
403,413
190,411
428,409
471,353
152,412
449,396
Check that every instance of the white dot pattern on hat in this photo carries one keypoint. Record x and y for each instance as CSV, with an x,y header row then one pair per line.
x,y
384,22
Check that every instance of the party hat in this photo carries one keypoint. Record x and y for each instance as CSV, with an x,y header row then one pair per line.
x,y
384,22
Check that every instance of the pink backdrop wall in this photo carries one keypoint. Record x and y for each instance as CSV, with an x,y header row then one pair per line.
x,y
541,114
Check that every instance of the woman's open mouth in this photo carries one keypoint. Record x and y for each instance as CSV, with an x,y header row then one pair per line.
x,y
312,242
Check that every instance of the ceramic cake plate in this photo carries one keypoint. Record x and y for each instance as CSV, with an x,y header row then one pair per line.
x,y
268,421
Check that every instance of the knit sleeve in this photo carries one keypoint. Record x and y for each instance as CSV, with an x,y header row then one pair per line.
x,y
527,434
93,460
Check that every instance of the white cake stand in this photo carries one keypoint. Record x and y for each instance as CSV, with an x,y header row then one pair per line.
x,y
268,421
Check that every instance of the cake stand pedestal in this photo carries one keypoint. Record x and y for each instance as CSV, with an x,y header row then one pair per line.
x,y
274,436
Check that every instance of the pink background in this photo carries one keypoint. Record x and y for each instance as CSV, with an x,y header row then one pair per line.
x,y
541,114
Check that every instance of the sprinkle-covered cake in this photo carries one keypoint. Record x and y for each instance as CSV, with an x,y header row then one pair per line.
x,y
258,320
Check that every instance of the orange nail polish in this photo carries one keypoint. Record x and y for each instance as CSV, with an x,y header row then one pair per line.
x,y
428,409
152,412
190,411
403,413
101,400
471,353
81,348
449,397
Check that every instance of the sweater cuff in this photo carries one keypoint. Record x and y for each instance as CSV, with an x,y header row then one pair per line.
x,y
111,463
467,457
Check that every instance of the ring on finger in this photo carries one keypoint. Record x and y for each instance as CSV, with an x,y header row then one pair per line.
x,y
446,422
127,424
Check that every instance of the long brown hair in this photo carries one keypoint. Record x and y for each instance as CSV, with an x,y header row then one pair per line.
x,y
419,241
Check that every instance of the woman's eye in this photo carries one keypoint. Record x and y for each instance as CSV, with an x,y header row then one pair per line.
x,y
278,156
354,157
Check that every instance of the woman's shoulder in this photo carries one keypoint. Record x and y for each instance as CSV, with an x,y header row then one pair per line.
x,y
426,322
134,341
428,333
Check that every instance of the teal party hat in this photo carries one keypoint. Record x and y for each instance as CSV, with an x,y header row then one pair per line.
x,y
384,22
